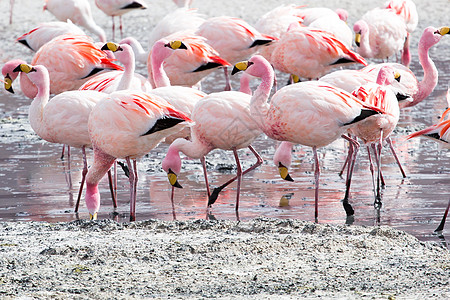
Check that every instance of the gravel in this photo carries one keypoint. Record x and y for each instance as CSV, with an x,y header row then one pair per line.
x,y
262,258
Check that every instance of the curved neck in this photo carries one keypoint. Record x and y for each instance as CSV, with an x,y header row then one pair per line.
x,y
36,111
258,104
365,49
193,149
283,154
430,75
159,54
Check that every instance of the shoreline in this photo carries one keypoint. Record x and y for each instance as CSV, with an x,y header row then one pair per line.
x,y
261,258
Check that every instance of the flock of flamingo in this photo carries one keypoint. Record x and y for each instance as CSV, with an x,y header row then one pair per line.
x,y
120,114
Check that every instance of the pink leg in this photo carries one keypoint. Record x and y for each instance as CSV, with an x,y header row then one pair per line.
x,y
203,161
353,151
389,141
406,54
227,79
11,5
113,28
239,177
212,199
62,153
68,168
350,150
83,178
173,203
372,171
121,28
115,180
381,173
316,177
444,218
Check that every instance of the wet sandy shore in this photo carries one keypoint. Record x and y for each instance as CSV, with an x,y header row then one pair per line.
x,y
262,258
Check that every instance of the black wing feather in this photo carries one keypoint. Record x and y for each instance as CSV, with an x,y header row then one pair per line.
x,y
164,123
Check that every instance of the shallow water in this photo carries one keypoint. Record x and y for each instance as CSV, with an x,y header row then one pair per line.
x,y
34,181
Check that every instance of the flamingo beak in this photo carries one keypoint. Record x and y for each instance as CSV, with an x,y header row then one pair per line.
x,y
358,39
284,173
111,46
8,84
444,30
397,76
93,217
173,179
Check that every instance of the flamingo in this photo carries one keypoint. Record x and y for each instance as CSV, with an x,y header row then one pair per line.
x,y
380,33
439,132
117,80
189,67
64,119
11,7
78,11
126,124
118,8
233,38
310,53
71,60
309,113
45,32
408,11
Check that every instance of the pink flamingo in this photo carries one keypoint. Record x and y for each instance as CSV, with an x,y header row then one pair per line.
x,y
233,38
309,113
118,8
310,53
408,11
64,119
375,129
45,32
117,80
189,67
78,11
71,60
380,33
183,3
126,124
222,121
440,133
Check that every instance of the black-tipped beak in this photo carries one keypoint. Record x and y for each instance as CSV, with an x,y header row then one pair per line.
x,y
284,173
17,69
183,46
105,47
8,84
235,70
173,179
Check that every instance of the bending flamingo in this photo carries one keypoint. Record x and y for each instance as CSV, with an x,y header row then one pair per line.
x,y
308,113
78,11
118,8
380,33
126,124
64,119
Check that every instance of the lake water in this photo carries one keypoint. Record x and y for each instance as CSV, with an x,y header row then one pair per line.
x,y
34,180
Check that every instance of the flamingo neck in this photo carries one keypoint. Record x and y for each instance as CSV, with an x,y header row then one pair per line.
x,y
194,149
258,104
102,163
129,66
365,49
245,84
158,55
36,111
430,75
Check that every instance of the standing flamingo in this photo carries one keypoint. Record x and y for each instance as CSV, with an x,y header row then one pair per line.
x,y
64,119
126,124
118,8
309,113
45,32
310,53
78,11
117,80
380,33
408,11
233,38
71,60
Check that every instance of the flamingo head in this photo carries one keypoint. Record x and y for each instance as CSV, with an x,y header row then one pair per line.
x,y
123,52
37,74
171,164
256,66
360,28
342,13
387,75
431,36
9,74
282,160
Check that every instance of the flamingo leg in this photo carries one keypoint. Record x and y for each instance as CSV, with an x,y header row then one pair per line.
x,y
348,157
239,177
227,79
68,169
381,172
203,161
440,228
389,141
113,28
316,178
212,199
115,180
372,171
353,151
62,153
111,189
83,178
11,5
133,183
173,203
121,27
